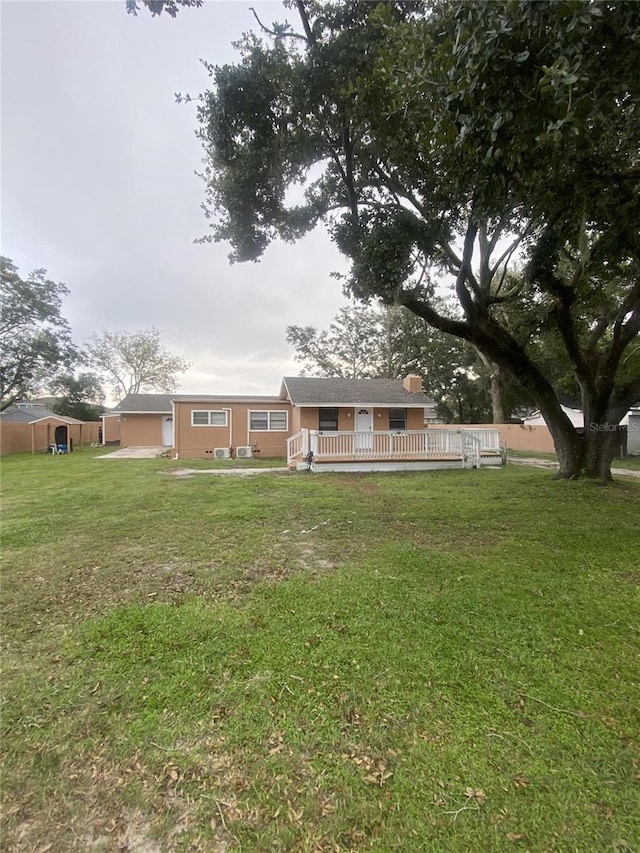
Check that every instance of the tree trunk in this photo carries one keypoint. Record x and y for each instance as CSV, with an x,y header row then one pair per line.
x,y
496,396
585,455
602,441
495,380
569,447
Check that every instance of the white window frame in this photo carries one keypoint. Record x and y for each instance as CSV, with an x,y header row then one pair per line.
x,y
210,412
269,413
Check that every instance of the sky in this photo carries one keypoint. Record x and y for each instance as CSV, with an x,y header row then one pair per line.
x,y
98,186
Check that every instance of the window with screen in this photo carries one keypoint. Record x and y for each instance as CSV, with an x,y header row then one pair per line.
x,y
328,420
274,421
209,418
397,418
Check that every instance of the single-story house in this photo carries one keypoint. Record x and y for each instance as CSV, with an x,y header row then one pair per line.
x,y
334,422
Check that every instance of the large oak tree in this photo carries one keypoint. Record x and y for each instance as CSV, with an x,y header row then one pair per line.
x,y
437,142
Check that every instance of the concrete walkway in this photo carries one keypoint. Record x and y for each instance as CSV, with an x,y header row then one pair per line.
x,y
135,453
551,465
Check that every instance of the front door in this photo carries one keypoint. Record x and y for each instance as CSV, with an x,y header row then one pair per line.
x,y
364,430
167,431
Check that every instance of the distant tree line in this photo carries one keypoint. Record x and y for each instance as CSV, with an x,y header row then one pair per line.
x,y
389,341
37,352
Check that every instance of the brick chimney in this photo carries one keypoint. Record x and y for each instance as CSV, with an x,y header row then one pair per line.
x,y
412,383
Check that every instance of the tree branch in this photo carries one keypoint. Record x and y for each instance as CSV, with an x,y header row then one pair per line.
x,y
465,274
274,33
304,17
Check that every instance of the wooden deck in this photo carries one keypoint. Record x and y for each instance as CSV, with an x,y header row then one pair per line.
x,y
394,451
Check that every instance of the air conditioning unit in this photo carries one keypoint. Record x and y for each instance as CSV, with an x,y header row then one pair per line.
x,y
244,452
222,453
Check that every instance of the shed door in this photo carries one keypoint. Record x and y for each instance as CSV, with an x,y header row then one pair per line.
x,y
61,437
167,431
364,429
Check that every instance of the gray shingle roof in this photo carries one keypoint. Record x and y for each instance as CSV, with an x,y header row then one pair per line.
x,y
35,413
24,416
227,398
144,403
313,391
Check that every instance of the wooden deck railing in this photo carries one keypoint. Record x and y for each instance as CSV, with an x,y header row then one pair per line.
x,y
379,445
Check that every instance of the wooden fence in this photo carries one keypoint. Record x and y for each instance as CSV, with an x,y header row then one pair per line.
x,y
25,438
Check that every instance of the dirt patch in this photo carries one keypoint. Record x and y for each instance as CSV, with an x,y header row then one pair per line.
x,y
229,472
549,464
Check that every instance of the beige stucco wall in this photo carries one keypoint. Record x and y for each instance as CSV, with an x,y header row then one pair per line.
x,y
198,442
294,421
141,430
415,418
111,428
309,418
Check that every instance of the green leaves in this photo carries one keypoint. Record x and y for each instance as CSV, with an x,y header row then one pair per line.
x,y
439,143
35,339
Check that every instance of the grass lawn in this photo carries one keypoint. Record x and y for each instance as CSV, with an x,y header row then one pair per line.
x,y
631,463
434,661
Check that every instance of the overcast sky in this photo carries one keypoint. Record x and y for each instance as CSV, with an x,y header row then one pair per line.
x,y
98,186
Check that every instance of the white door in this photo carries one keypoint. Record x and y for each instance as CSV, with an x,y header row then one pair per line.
x,y
167,431
364,430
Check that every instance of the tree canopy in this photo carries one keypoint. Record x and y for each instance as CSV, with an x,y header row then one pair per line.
x,y
35,339
133,362
390,341
79,396
437,142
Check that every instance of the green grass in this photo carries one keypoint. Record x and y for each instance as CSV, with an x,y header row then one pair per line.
x,y
437,661
630,462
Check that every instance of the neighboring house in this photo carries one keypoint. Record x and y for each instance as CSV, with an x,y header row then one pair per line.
x,y
37,402
573,413
431,414
631,421
338,420
633,431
